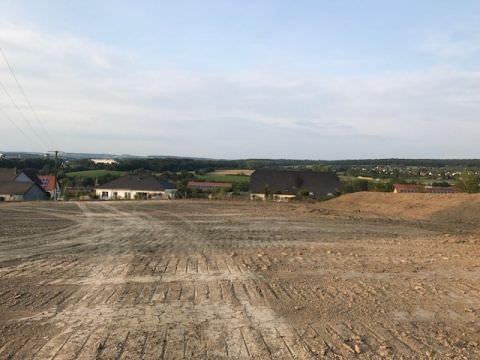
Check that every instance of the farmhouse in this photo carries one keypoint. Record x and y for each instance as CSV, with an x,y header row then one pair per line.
x,y
19,187
136,187
209,185
288,184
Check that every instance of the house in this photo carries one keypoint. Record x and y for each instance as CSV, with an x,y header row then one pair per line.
x,y
288,184
406,188
441,190
104,161
208,186
412,188
48,183
19,187
21,191
136,187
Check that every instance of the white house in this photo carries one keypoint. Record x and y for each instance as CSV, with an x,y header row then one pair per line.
x,y
136,187
104,161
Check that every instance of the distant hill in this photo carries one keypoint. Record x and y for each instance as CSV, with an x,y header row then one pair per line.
x,y
263,162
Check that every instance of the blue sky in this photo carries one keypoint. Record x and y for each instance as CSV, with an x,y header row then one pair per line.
x,y
238,79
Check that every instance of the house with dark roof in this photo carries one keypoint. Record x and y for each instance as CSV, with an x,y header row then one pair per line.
x,y
19,187
288,184
140,187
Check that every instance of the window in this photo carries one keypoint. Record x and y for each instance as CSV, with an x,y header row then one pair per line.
x,y
128,195
141,196
104,194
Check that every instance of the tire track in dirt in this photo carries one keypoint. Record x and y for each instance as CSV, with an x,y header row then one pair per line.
x,y
168,280
188,321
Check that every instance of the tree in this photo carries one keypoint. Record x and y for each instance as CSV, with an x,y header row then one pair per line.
x,y
441,184
380,186
354,185
303,193
468,182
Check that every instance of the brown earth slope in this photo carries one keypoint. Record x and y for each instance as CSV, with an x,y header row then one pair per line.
x,y
408,206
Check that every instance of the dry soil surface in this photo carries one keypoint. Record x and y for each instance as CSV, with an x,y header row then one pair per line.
x,y
365,276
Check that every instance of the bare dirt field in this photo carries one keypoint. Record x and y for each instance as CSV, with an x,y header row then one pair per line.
x,y
364,276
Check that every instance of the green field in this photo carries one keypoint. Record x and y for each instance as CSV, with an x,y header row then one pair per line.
x,y
95,173
224,178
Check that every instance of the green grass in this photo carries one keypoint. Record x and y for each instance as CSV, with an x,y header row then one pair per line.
x,y
350,178
95,173
224,178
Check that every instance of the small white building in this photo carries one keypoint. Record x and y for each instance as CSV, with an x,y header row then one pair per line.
x,y
138,187
104,161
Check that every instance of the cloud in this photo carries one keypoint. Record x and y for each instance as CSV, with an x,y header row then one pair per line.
x,y
457,42
93,97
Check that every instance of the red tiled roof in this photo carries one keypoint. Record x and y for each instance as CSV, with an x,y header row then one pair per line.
x,y
208,184
47,182
426,189
405,187
441,189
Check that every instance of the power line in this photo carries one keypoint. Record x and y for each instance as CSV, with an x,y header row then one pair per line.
x,y
27,137
12,72
22,115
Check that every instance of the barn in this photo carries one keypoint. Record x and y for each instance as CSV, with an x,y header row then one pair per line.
x,y
289,184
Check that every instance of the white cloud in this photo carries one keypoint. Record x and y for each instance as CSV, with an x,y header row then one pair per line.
x,y
457,41
83,90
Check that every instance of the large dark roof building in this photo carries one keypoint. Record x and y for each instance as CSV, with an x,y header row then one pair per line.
x,y
290,183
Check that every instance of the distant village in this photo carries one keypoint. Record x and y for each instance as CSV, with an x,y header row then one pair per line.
x,y
34,178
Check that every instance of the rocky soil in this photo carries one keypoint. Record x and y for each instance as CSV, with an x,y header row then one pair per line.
x,y
365,276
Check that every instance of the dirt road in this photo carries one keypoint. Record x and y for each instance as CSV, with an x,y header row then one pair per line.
x,y
239,280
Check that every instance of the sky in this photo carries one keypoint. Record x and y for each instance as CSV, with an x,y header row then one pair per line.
x,y
242,79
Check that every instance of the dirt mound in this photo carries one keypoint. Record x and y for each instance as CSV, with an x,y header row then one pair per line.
x,y
449,207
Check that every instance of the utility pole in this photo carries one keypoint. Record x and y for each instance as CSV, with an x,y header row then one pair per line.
x,y
55,195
